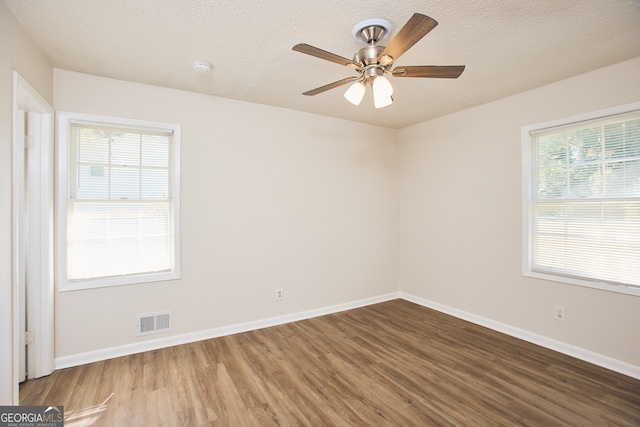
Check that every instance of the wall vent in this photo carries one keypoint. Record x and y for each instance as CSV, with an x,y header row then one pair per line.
x,y
154,323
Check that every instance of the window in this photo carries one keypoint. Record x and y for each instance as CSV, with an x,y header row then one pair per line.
x,y
118,201
582,200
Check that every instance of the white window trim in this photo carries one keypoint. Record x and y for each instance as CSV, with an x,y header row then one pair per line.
x,y
526,197
64,117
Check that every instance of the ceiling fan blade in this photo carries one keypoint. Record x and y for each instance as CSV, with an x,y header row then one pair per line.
x,y
436,71
416,28
323,54
330,86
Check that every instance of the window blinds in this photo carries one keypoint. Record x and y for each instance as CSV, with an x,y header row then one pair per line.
x,y
585,200
120,203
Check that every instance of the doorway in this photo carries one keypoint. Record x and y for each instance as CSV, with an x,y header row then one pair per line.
x,y
32,225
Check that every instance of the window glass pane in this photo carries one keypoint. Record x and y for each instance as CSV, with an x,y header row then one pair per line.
x,y
622,179
584,181
126,238
92,182
155,184
93,147
622,139
155,150
125,183
125,149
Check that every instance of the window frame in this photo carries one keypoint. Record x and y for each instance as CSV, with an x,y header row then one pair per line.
x,y
64,120
526,136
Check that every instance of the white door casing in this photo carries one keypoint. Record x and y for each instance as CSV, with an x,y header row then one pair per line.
x,y
32,248
20,244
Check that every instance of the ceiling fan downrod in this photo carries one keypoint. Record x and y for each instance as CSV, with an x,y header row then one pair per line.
x,y
371,32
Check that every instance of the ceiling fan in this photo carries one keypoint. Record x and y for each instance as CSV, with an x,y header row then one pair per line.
x,y
373,62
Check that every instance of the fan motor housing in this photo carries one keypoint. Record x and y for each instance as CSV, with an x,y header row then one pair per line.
x,y
368,55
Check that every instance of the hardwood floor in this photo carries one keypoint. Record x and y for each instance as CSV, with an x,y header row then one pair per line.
x,y
389,364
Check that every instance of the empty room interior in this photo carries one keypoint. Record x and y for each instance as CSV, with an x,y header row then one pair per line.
x,y
321,213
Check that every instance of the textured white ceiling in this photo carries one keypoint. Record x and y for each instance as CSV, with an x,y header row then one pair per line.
x,y
508,46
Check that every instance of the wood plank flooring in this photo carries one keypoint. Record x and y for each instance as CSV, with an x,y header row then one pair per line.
x,y
389,364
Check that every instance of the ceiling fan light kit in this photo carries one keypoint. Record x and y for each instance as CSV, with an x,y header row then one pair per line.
x,y
373,61
382,101
382,91
355,93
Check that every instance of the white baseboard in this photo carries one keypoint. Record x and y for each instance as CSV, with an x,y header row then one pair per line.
x,y
577,352
125,350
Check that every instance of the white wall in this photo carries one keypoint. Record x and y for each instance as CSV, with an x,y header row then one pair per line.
x,y
17,52
460,217
270,198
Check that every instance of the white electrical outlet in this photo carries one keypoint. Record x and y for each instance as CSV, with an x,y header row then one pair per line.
x,y
559,313
279,294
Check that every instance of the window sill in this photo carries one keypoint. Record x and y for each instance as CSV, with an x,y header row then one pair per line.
x,y
78,285
603,286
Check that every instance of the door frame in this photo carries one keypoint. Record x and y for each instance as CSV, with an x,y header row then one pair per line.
x,y
39,249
